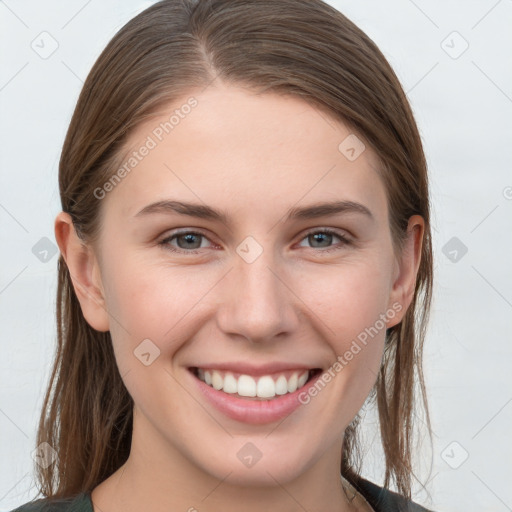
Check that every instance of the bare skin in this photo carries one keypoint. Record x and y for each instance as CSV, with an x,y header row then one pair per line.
x,y
253,157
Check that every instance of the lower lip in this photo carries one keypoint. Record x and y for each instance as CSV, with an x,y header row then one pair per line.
x,y
254,411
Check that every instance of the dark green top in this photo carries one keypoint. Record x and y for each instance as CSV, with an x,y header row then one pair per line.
x,y
380,499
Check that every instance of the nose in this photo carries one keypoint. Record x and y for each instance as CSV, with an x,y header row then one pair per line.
x,y
258,302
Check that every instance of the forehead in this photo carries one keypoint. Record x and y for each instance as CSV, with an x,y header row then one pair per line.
x,y
248,152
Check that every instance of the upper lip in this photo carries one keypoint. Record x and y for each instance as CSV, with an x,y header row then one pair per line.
x,y
249,369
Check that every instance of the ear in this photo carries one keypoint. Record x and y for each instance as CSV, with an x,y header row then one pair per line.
x,y
406,270
84,270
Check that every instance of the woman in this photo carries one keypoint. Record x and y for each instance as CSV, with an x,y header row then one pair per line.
x,y
211,355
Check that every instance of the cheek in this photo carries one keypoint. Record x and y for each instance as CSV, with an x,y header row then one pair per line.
x,y
352,304
348,299
148,310
149,301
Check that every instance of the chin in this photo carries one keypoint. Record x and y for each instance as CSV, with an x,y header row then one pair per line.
x,y
269,464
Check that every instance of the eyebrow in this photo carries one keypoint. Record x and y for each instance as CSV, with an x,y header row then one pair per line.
x,y
298,213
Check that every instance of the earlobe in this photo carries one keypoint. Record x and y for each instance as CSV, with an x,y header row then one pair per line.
x,y
406,270
83,268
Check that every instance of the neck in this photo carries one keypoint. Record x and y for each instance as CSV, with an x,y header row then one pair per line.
x,y
159,477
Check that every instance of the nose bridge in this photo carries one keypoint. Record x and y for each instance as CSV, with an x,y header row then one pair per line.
x,y
258,305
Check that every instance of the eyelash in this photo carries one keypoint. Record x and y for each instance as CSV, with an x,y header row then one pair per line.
x,y
344,240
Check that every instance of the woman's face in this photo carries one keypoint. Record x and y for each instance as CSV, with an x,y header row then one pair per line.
x,y
245,280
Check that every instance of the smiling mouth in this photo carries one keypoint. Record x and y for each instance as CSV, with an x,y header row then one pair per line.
x,y
249,387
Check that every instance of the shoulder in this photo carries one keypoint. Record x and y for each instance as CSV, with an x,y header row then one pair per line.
x,y
78,503
385,500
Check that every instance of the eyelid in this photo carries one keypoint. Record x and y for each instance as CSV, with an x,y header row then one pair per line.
x,y
184,231
341,234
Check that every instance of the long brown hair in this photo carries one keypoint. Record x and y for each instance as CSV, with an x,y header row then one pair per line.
x,y
293,47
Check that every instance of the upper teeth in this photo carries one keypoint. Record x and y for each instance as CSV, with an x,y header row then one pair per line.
x,y
245,385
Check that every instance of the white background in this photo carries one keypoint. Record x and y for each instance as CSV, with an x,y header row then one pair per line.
x,y
463,107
